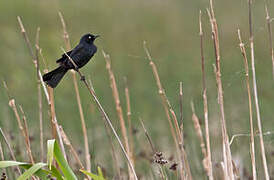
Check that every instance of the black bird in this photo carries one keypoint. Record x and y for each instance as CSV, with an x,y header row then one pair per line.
x,y
81,55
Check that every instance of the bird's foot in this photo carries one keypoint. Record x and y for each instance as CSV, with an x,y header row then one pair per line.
x,y
83,78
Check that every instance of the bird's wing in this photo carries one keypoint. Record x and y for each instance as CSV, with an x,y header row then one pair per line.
x,y
64,57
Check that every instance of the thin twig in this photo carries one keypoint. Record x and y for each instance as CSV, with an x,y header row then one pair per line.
x,y
252,144
103,113
10,149
76,88
251,39
152,148
208,159
249,135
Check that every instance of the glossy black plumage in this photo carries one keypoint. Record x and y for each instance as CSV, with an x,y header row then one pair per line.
x,y
81,55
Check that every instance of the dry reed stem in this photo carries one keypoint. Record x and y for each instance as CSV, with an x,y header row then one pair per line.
x,y
68,143
268,22
119,109
27,138
40,106
113,149
252,144
22,129
199,133
103,113
167,106
148,137
259,122
76,88
131,143
10,149
54,123
226,148
181,103
23,31
248,135
209,161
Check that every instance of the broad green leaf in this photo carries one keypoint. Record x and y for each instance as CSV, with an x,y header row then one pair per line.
x,y
54,150
31,171
5,164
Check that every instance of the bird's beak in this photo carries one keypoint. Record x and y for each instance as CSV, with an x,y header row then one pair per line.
x,y
97,36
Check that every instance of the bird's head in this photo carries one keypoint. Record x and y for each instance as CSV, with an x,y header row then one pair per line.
x,y
88,38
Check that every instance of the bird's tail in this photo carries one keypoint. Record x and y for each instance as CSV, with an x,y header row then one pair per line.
x,y
54,77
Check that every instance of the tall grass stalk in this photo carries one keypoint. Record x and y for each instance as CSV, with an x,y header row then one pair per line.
x,y
259,122
208,149
252,144
76,88
226,148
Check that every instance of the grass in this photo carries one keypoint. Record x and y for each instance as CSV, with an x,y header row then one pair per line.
x,y
169,147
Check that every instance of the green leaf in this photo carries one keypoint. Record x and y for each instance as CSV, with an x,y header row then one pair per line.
x,y
55,173
59,157
31,171
5,164
94,176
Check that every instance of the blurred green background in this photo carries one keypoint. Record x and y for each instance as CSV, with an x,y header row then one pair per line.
x,y
171,30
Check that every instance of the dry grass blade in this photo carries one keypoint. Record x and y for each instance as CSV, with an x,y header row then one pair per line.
x,y
226,148
23,129
252,144
199,133
10,149
27,138
268,22
76,88
259,122
119,110
208,159
103,113
131,143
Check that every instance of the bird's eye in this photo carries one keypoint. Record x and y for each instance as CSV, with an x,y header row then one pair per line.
x,y
89,37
